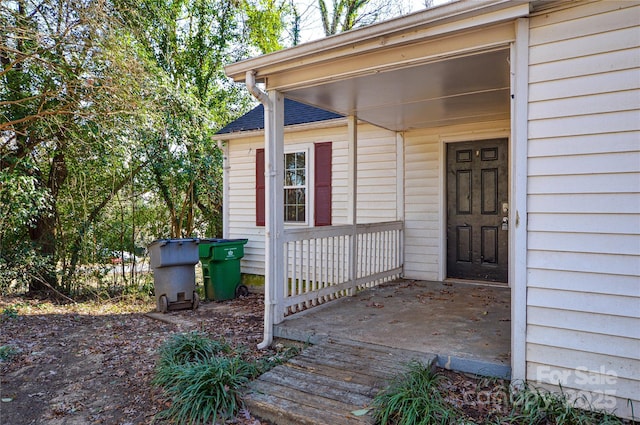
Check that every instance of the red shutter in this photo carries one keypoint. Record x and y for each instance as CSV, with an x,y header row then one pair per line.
x,y
260,187
322,189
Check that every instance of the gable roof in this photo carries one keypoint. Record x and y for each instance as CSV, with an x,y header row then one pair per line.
x,y
294,113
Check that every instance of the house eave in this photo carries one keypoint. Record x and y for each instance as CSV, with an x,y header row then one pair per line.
x,y
288,129
458,15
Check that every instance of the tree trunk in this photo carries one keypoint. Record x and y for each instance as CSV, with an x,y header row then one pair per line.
x,y
92,217
43,232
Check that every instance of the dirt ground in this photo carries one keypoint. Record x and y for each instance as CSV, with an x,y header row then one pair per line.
x,y
93,363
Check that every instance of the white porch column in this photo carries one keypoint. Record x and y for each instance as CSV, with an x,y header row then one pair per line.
x,y
273,103
518,199
352,194
274,213
400,192
400,176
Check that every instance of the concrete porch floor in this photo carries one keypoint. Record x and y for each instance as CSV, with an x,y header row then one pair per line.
x,y
466,325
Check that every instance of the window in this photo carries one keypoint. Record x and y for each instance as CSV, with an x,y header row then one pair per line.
x,y
295,187
297,200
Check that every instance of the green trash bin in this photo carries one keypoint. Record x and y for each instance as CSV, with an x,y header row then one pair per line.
x,y
220,260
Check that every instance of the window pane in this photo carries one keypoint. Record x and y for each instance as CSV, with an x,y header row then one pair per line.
x,y
289,178
290,196
295,192
300,175
290,161
300,196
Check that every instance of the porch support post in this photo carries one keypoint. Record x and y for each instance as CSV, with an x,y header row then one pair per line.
x,y
518,196
352,196
399,176
274,211
400,195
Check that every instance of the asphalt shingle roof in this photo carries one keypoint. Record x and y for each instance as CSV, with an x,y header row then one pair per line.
x,y
294,113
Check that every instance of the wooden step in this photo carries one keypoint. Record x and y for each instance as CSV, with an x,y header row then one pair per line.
x,y
326,383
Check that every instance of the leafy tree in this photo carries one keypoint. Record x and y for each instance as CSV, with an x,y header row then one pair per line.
x,y
343,15
69,80
21,201
107,115
191,41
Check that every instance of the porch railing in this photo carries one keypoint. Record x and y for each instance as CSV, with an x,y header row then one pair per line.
x,y
324,263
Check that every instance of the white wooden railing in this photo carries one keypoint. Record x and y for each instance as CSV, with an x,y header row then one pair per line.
x,y
324,263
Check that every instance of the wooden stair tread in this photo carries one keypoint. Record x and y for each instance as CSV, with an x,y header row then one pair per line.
x,y
326,382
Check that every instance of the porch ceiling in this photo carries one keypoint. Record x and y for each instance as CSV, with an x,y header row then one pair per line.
x,y
463,89
446,65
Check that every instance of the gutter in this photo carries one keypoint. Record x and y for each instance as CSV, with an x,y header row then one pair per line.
x,y
376,35
269,305
316,125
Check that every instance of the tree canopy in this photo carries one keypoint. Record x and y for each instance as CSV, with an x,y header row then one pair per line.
x,y
108,111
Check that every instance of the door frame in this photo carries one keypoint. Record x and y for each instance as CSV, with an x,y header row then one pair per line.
x,y
446,139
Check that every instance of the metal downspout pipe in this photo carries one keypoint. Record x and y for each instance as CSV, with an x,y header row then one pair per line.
x,y
269,305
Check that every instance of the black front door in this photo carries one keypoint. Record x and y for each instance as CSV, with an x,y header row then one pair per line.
x,y
477,210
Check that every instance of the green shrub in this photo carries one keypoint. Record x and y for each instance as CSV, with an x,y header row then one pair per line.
x,y
204,391
414,398
9,312
204,378
418,398
191,347
7,352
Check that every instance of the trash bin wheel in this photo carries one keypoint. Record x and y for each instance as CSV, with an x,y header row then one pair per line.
x,y
196,301
242,291
163,304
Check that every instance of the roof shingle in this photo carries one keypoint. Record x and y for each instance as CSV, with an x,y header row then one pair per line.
x,y
294,113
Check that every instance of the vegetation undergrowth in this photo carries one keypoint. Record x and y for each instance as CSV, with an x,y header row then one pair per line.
x,y
420,397
414,398
8,352
532,405
205,378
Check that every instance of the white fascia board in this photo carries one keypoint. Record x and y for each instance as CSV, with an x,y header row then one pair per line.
x,y
337,122
440,20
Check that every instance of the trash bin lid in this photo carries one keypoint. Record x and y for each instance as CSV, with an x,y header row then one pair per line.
x,y
221,240
163,242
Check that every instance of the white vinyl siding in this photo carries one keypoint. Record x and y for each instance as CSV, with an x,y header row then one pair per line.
x,y
422,236
376,181
583,262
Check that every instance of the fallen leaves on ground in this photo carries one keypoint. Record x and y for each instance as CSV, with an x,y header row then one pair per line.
x,y
92,363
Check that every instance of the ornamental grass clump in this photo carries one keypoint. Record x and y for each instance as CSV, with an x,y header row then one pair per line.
x,y
535,406
414,398
204,379
191,347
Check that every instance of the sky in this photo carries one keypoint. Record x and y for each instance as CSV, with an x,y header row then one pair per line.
x,y
312,26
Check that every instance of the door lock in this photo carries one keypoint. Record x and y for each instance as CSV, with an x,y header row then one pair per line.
x,y
505,223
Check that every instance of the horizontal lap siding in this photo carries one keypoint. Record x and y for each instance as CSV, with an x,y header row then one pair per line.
x,y
377,191
242,202
376,180
422,206
583,299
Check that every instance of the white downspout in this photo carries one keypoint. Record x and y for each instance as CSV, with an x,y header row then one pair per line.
x,y
224,148
269,305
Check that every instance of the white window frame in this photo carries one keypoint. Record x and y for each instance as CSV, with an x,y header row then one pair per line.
x,y
309,184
